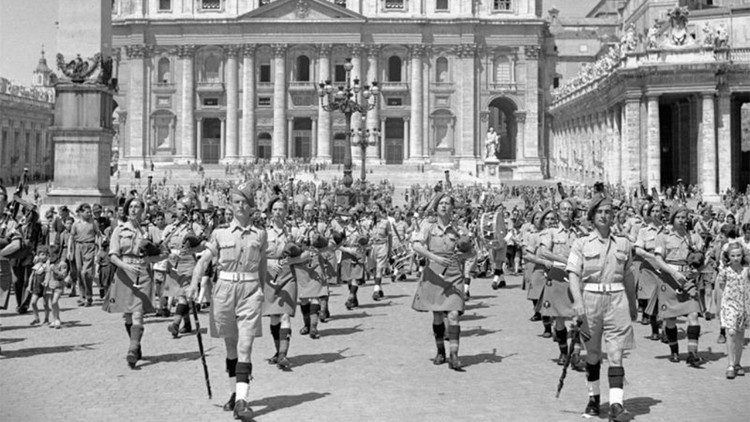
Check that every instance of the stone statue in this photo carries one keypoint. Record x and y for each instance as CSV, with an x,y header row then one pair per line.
x,y
628,41
490,143
721,39
678,35
709,38
77,69
652,37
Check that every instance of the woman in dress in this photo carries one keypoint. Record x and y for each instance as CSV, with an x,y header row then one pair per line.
x,y
537,266
734,279
131,252
644,264
446,245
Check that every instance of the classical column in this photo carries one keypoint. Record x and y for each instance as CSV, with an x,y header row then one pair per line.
x,y
279,152
415,135
630,143
372,116
708,148
616,147
187,148
521,133
198,149
314,138
136,104
531,55
356,50
324,117
653,141
232,141
407,142
247,140
382,140
724,140
425,89
223,140
291,153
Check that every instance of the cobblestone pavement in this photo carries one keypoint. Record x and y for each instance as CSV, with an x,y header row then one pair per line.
x,y
371,364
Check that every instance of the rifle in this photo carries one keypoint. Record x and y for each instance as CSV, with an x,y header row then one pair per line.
x,y
579,332
200,347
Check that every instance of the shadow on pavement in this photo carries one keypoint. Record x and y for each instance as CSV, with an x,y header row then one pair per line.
x,y
23,353
375,305
472,306
350,316
637,406
387,296
170,357
272,404
708,356
483,358
340,331
481,297
301,360
74,324
478,332
10,340
472,317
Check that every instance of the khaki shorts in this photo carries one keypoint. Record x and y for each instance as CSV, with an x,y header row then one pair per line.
x,y
608,316
236,308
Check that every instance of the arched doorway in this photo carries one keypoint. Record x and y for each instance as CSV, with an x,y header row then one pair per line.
x,y
503,120
264,146
338,151
302,135
211,142
394,141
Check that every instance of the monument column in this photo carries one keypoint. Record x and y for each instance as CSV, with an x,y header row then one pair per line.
x,y
324,117
247,140
232,150
406,138
290,150
415,134
187,149
137,95
520,134
372,116
708,148
653,140
382,140
223,140
631,140
314,137
724,139
279,152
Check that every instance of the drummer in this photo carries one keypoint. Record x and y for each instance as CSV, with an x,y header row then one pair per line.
x,y
445,244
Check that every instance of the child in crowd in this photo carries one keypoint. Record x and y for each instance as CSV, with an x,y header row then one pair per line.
x,y
734,280
38,282
57,277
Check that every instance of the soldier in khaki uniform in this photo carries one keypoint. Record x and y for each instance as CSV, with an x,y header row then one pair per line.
x,y
240,249
645,263
677,291
596,269
380,236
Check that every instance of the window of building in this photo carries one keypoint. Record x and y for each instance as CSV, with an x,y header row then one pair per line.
x,y
38,152
441,69
502,4
339,73
394,4
502,70
394,102
394,69
556,82
265,73
211,102
165,5
441,4
163,71
303,69
264,101
211,68
211,4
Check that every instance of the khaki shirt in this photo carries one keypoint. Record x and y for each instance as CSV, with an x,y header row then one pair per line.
x,y
277,240
238,249
675,248
647,237
441,240
558,240
84,232
598,260
175,233
126,240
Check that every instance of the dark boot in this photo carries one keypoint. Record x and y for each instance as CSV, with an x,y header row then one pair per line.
x,y
229,405
242,411
592,408
136,332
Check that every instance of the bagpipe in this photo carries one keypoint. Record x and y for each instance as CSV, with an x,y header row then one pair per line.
x,y
31,231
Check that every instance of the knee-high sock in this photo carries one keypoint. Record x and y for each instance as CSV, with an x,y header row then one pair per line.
x,y
312,317
592,378
547,323
439,331
284,335
616,376
136,332
674,347
693,333
275,333
562,340
128,327
231,365
654,324
244,371
454,332
305,307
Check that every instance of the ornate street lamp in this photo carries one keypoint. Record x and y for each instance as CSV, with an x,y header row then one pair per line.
x,y
363,139
349,99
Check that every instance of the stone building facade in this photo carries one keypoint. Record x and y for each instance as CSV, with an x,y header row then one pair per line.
x,y
26,114
236,80
662,105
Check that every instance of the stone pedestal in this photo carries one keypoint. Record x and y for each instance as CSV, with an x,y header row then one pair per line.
x,y
490,167
82,141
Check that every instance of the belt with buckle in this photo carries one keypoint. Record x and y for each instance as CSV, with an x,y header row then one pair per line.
x,y
603,287
129,259
680,267
238,277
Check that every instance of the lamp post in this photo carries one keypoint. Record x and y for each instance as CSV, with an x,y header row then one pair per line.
x,y
363,139
348,99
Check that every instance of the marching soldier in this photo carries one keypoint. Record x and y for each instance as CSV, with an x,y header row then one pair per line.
x,y
645,266
602,296
237,299
84,235
445,244
380,236
677,251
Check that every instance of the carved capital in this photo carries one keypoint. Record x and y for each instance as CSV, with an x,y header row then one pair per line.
x,y
116,55
520,116
279,50
248,50
232,50
186,51
417,50
324,50
373,51
138,51
465,50
356,49
484,116
532,52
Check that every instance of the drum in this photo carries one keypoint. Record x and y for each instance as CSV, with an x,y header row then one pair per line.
x,y
492,227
